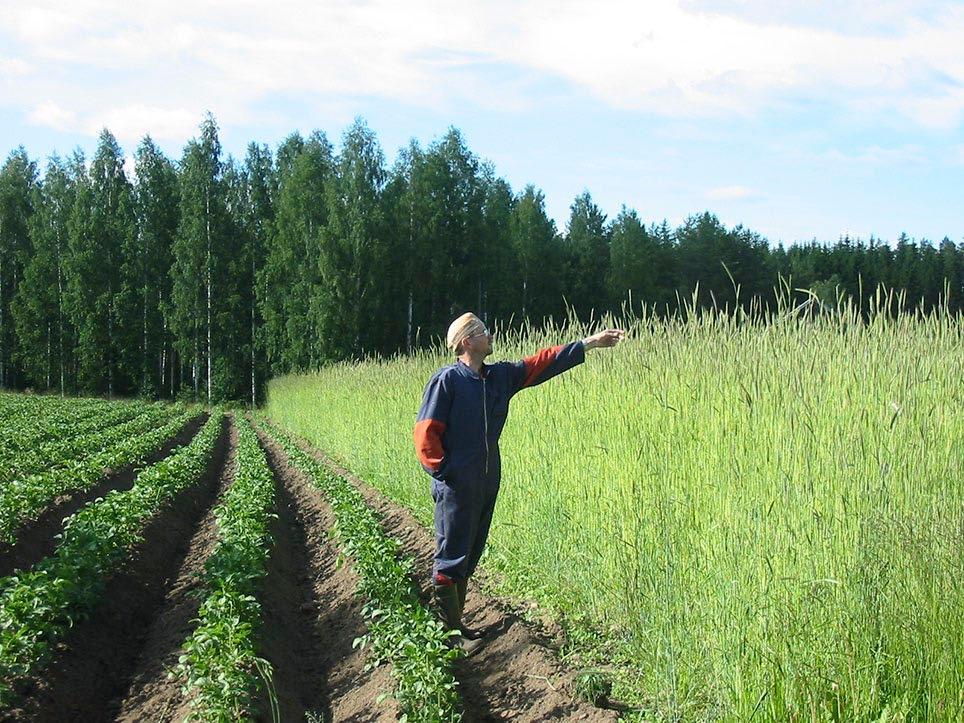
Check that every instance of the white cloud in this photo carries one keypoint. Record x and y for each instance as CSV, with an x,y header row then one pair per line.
x,y
53,116
731,193
13,67
878,155
132,122
164,61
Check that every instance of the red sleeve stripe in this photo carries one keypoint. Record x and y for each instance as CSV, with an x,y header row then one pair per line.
x,y
428,443
538,363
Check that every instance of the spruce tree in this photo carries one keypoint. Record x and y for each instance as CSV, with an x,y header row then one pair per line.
x,y
539,253
290,279
18,179
256,221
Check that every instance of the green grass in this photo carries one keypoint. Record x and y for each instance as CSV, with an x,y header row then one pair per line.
x,y
745,520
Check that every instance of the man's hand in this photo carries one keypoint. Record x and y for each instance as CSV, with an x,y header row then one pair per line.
x,y
604,339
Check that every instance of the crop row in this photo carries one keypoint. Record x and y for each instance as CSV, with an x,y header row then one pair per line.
x,y
61,423
38,606
220,663
400,630
22,499
61,452
17,407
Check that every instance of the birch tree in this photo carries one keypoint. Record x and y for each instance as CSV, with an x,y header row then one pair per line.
x,y
39,306
150,258
18,177
101,225
197,256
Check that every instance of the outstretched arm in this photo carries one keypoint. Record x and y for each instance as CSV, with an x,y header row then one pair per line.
x,y
604,339
547,363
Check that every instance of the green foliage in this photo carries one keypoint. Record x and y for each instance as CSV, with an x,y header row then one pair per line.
x,y
39,308
101,226
78,462
587,249
37,607
219,665
18,177
400,629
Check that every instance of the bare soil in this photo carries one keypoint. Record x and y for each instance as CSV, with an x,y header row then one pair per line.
x,y
517,675
312,615
38,538
153,694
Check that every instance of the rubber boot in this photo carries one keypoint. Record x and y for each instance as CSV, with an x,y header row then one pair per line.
x,y
463,586
447,601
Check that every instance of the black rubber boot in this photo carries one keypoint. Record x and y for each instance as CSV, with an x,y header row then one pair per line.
x,y
447,602
467,632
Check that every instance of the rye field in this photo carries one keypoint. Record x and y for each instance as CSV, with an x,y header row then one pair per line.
x,y
732,520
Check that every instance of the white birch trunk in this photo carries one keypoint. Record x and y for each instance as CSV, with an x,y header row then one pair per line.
x,y
207,204
408,333
3,341
60,310
253,288
50,361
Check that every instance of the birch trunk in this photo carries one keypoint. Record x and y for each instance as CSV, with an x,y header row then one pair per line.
x,y
3,335
50,360
409,332
207,214
60,311
253,288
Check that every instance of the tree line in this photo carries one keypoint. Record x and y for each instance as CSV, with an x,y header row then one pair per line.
x,y
202,277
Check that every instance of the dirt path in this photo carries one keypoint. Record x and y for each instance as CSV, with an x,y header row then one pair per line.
x,y
152,696
36,539
311,614
517,675
91,668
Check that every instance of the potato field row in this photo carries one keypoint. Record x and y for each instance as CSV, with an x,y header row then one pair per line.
x,y
167,563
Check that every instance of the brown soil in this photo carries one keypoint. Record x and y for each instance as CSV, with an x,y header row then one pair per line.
x,y
153,695
90,669
38,538
311,614
517,675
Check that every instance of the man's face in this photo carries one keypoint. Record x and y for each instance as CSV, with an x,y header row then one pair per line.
x,y
481,343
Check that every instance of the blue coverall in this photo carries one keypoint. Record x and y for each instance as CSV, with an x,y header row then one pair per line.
x,y
457,442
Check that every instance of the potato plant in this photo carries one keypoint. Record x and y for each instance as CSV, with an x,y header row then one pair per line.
x,y
220,666
401,631
22,499
64,450
38,606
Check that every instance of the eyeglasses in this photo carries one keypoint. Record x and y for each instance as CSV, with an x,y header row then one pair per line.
x,y
484,332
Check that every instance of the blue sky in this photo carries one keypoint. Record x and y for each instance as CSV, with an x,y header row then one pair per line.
x,y
799,120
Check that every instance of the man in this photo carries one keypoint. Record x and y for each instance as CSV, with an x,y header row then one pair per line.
x,y
464,408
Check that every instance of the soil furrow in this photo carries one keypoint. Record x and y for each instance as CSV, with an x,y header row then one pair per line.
x,y
90,669
517,675
312,615
152,694
38,538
